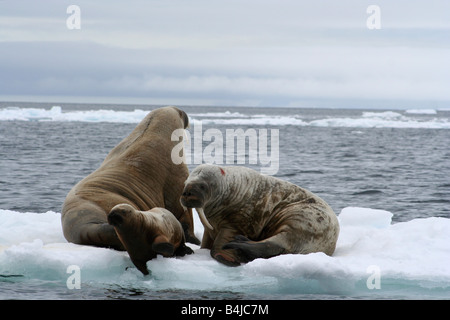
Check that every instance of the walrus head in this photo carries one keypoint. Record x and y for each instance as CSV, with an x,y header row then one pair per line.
x,y
194,196
197,189
183,116
139,236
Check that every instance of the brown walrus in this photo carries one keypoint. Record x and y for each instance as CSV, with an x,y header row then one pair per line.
x,y
139,171
145,234
248,215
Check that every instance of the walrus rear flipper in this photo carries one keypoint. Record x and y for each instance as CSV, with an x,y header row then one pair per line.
x,y
84,222
251,250
100,235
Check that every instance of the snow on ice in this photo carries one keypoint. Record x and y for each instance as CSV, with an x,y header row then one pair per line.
x,y
373,256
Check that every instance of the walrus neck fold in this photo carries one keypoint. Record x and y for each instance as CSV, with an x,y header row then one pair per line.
x,y
203,219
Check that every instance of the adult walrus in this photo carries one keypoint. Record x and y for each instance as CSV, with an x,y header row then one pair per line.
x,y
248,215
139,171
145,234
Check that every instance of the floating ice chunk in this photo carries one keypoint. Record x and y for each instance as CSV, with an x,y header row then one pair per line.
x,y
386,119
20,227
421,111
388,115
365,217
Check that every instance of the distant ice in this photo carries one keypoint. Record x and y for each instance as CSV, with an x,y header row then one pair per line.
x,y
385,119
421,111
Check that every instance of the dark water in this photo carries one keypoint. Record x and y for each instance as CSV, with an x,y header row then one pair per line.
x,y
402,170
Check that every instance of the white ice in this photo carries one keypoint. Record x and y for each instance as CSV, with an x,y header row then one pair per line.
x,y
410,259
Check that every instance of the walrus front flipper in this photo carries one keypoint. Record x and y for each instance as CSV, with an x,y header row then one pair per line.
x,y
251,250
166,249
189,233
141,265
183,250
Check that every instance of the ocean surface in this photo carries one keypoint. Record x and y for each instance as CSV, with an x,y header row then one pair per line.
x,y
386,174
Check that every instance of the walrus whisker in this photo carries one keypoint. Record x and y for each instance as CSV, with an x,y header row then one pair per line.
x,y
203,219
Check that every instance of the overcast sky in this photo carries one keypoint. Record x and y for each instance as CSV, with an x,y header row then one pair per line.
x,y
244,53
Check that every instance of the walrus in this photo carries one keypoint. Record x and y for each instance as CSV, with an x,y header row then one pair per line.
x,y
145,234
139,171
248,215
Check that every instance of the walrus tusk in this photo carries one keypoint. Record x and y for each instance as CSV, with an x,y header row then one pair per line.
x,y
203,219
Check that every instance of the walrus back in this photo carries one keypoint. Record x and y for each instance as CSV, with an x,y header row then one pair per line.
x,y
261,216
138,171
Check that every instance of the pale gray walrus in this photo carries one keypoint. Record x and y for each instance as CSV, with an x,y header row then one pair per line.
x,y
139,171
248,215
145,234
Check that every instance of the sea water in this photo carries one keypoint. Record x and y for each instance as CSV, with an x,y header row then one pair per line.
x,y
384,172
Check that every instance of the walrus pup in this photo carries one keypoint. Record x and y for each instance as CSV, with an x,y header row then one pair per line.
x,y
145,234
247,215
140,172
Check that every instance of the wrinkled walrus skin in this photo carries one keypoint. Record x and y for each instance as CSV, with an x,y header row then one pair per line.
x,y
139,171
248,215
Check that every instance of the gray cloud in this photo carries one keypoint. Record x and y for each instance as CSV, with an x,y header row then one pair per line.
x,y
230,52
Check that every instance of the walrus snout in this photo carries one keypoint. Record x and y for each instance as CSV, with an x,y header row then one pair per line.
x,y
115,219
118,214
193,195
